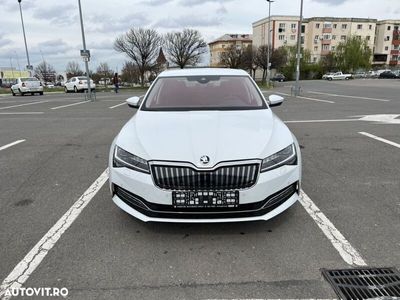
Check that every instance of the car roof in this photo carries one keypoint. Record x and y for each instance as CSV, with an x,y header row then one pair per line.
x,y
203,72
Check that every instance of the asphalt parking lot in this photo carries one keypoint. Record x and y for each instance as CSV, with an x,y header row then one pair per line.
x,y
349,132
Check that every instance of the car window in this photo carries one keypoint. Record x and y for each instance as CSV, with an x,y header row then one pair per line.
x,y
73,79
204,93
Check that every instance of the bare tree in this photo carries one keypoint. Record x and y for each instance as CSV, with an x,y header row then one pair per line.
x,y
105,72
232,57
45,72
130,73
73,69
278,59
185,48
141,45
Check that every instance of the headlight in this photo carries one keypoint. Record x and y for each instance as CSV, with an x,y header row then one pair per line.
x,y
125,159
286,156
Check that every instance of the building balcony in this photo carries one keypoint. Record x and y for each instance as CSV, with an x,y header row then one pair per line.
x,y
394,62
327,30
395,52
395,42
325,52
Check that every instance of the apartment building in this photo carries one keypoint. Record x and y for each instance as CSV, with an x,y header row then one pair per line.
x,y
387,45
321,35
283,31
324,34
223,43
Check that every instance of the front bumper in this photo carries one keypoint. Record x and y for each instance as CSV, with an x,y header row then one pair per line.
x,y
135,193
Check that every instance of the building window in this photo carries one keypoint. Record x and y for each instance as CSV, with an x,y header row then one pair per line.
x,y
387,38
293,37
334,26
368,38
315,59
223,46
327,36
293,26
333,48
281,37
359,26
316,37
325,47
317,25
327,25
333,37
370,27
389,27
303,28
344,26
315,48
386,48
343,37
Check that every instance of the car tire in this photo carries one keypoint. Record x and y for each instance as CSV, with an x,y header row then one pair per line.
x,y
21,93
12,92
347,78
41,93
75,89
66,90
330,79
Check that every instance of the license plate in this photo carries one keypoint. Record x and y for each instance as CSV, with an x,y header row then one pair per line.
x,y
205,199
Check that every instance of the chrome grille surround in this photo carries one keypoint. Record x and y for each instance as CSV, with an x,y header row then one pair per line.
x,y
233,175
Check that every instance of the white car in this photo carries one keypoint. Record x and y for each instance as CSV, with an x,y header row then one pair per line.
x,y
78,84
338,76
27,85
204,146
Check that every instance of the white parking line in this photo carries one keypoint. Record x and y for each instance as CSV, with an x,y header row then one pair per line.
x,y
117,105
380,139
68,105
22,113
348,96
11,144
306,98
31,261
322,121
346,251
30,103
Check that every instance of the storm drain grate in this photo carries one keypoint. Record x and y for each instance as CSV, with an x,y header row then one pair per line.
x,y
364,283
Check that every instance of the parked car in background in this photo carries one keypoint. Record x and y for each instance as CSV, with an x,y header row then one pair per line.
x,y
388,75
360,75
279,77
27,85
326,75
49,85
339,76
78,84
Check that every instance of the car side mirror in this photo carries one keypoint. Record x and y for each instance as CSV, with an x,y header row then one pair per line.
x,y
275,100
133,102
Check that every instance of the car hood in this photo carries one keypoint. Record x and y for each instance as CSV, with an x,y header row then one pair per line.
x,y
221,135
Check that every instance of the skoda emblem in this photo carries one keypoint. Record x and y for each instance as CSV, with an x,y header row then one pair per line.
x,y
205,159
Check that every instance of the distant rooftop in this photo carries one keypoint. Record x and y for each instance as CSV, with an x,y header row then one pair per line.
x,y
322,19
234,37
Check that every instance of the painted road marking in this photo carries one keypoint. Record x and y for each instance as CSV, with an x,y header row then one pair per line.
x,y
306,98
68,105
11,144
348,96
380,139
322,121
346,251
31,261
384,119
30,103
22,113
117,105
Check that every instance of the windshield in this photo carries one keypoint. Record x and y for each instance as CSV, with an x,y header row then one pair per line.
x,y
204,93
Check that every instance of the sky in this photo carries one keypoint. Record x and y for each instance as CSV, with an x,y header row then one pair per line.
x,y
53,29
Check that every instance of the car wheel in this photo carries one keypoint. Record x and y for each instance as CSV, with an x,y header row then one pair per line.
x,y
329,79
12,92
75,89
21,93
65,90
41,93
347,78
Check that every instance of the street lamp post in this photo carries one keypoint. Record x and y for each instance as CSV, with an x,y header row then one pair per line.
x,y
29,67
269,40
298,56
85,51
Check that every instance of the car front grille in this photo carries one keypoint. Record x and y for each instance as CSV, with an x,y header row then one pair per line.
x,y
223,178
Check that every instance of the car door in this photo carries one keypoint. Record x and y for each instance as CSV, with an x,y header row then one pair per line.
x,y
68,85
